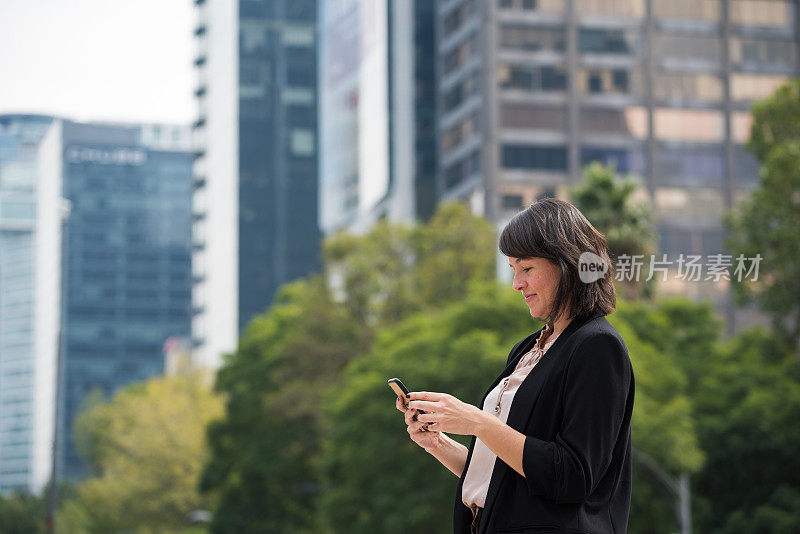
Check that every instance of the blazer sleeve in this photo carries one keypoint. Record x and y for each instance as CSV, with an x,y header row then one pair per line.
x,y
597,382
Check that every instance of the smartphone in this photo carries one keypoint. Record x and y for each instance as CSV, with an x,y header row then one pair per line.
x,y
397,385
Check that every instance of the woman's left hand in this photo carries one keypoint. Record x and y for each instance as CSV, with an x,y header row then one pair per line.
x,y
445,413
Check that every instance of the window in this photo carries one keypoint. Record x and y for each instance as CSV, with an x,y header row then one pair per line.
x,y
703,10
624,160
613,8
595,41
460,133
680,87
764,13
687,49
627,122
689,125
763,52
462,169
533,117
608,81
532,78
458,17
512,202
550,158
690,165
302,142
533,38
460,55
747,87
458,94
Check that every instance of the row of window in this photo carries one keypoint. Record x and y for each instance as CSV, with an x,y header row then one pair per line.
x,y
684,166
669,87
667,47
763,13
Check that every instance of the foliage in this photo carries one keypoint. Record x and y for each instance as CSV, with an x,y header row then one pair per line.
x,y
610,202
768,223
776,120
394,270
368,462
147,446
262,448
22,514
748,407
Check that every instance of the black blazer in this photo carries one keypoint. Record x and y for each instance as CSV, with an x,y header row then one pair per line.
x,y
575,410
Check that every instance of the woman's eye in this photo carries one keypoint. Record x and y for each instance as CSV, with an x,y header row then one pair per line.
x,y
526,269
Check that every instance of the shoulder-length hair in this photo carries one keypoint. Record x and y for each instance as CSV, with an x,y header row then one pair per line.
x,y
557,231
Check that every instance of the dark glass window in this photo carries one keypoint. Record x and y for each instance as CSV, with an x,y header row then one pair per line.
x,y
607,41
512,202
532,78
551,158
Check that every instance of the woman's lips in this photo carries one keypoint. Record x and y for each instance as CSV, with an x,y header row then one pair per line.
x,y
529,297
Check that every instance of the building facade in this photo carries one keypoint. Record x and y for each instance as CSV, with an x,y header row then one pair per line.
x,y
377,112
255,201
24,445
126,247
530,91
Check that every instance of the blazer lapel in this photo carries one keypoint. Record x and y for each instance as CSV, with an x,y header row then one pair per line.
x,y
525,398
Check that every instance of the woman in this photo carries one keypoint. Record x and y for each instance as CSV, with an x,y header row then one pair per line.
x,y
551,446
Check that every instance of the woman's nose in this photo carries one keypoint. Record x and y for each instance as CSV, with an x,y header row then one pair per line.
x,y
518,284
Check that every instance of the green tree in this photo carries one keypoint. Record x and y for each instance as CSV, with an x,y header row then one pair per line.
x,y
375,479
776,120
146,446
610,203
748,406
262,447
767,223
22,514
394,270
289,357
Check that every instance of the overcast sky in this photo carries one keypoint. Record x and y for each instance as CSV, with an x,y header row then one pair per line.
x,y
126,60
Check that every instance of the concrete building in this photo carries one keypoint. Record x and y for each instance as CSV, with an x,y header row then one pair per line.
x,y
255,201
26,373
530,91
377,112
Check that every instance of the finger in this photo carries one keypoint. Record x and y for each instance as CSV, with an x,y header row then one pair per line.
x,y
426,417
399,404
415,427
427,406
426,395
410,417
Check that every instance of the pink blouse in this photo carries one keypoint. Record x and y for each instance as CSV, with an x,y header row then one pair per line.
x,y
498,403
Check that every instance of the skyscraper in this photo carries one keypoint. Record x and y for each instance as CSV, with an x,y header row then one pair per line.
x,y
255,202
127,259
377,112
530,91
26,377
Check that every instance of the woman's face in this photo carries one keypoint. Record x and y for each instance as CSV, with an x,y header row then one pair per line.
x,y
537,280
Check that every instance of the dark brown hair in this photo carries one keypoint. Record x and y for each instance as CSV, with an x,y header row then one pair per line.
x,y
557,231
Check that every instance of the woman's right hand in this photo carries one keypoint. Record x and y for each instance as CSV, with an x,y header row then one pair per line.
x,y
427,439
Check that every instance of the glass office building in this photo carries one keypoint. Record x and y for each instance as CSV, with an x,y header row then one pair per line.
x,y
530,91
377,112
127,257
24,444
255,201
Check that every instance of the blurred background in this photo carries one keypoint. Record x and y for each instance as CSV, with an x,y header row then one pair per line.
x,y
224,224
